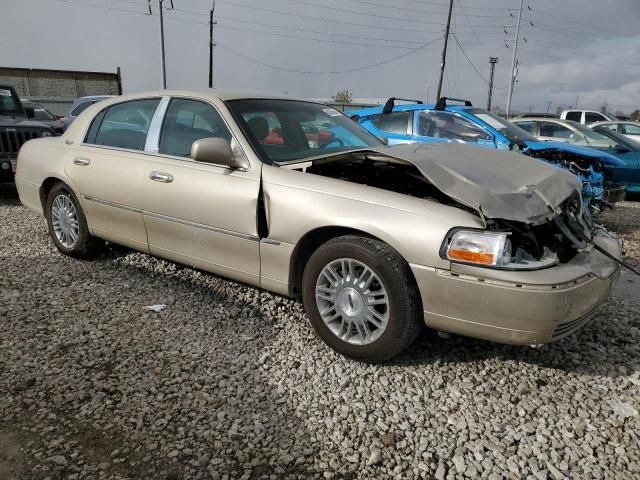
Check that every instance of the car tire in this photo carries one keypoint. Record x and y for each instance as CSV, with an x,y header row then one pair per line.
x,y
68,225
335,283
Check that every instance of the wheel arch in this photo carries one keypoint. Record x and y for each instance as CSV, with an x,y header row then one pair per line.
x,y
312,240
47,184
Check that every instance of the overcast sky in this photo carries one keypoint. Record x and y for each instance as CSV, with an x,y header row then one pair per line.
x,y
588,49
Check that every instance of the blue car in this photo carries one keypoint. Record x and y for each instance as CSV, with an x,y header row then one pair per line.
x,y
416,122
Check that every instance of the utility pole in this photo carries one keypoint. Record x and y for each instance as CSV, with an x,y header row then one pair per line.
x,y
211,43
163,72
492,67
513,61
428,87
444,50
548,105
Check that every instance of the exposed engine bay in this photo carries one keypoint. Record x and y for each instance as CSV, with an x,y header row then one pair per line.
x,y
588,171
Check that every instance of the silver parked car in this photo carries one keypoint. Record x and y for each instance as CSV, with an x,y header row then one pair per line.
x,y
79,105
628,129
377,241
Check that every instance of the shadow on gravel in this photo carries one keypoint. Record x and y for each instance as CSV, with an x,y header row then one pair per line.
x,y
607,346
8,194
142,394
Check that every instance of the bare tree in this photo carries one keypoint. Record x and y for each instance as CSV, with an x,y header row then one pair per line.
x,y
343,96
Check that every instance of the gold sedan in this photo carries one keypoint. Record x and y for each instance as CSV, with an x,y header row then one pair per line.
x,y
294,197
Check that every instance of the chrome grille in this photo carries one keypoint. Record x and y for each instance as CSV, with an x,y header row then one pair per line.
x,y
12,139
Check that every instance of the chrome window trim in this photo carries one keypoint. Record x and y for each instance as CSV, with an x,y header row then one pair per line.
x,y
153,134
235,144
223,231
86,132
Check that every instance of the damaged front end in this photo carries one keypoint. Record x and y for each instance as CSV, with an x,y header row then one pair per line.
x,y
594,171
533,213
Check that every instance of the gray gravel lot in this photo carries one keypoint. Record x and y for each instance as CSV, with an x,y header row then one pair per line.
x,y
230,382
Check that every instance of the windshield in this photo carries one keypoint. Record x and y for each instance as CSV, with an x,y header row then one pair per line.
x,y
594,138
619,140
40,113
288,130
514,133
9,103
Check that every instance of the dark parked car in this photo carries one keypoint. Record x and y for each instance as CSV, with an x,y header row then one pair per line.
x,y
42,115
15,130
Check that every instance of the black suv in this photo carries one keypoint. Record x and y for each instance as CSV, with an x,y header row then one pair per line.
x,y
15,129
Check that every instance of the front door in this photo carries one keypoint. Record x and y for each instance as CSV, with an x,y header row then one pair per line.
x,y
107,170
197,213
441,126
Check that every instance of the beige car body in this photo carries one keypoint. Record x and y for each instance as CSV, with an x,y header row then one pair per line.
x,y
207,217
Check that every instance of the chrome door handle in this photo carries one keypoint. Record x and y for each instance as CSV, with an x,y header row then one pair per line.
x,y
161,177
82,161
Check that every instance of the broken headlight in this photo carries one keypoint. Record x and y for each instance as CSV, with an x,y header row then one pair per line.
x,y
491,249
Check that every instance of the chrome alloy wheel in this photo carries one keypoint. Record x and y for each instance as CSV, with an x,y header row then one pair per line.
x,y
352,301
64,219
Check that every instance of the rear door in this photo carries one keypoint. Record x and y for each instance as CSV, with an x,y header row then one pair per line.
x,y
107,171
196,213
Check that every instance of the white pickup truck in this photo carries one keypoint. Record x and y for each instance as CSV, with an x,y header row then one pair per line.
x,y
586,117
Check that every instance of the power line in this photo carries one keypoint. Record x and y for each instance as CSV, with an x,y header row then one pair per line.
x,y
115,9
339,42
329,72
565,19
469,60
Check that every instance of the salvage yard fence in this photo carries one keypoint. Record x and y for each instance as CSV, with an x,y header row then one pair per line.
x,y
57,89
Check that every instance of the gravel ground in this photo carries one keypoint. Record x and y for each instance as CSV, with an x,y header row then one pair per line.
x,y
230,382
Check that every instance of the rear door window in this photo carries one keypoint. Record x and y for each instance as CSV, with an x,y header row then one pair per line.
x,y
185,122
394,122
590,117
631,129
555,130
529,127
574,116
124,125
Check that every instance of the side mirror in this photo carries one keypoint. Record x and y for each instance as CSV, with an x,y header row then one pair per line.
x,y
217,151
621,149
30,112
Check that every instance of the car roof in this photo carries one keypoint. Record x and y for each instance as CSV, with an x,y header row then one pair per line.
x,y
406,107
559,121
224,95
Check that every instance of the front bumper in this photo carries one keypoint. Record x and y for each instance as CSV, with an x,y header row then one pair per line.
x,y
521,308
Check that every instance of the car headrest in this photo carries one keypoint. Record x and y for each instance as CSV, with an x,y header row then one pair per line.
x,y
259,128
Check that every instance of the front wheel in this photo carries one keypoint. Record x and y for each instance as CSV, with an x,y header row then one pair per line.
x,y
68,225
361,298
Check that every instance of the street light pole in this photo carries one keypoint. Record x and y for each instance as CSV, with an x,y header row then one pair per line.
x,y
492,63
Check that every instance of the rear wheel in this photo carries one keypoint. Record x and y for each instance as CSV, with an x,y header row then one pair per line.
x,y
361,299
68,225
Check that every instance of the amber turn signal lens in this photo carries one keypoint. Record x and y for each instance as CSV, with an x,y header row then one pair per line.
x,y
473,257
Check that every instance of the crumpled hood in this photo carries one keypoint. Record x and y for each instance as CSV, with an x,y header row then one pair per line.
x,y
498,184
591,153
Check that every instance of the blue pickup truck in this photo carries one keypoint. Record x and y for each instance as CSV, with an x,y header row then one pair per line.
x,y
442,122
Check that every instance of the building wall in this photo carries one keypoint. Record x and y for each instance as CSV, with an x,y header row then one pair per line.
x,y
57,89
